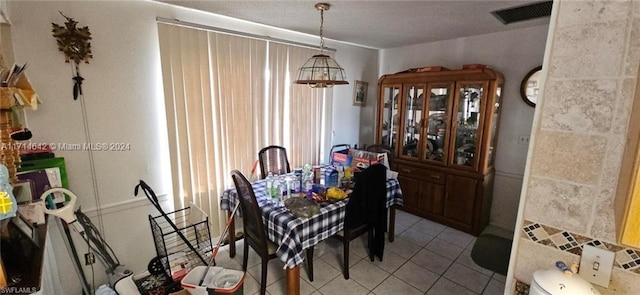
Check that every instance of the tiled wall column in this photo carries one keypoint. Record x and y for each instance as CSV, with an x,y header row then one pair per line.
x,y
578,139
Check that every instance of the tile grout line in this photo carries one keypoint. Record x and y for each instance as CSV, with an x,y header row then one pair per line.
x,y
452,263
392,273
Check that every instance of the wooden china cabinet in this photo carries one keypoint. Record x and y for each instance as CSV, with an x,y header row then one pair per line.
x,y
442,126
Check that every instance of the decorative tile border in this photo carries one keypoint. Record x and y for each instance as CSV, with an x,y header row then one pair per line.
x,y
626,258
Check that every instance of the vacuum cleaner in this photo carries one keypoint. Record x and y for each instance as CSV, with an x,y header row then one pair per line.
x,y
120,278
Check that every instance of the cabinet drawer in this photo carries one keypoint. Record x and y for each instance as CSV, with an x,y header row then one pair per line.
x,y
423,174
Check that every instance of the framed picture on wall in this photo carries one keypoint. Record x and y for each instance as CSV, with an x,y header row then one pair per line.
x,y
360,93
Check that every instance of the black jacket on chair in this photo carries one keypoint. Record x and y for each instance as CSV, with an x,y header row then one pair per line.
x,y
367,205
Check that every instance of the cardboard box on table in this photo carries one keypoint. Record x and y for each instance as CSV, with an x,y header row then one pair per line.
x,y
341,159
362,159
359,159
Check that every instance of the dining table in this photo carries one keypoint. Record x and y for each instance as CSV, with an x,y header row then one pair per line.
x,y
294,235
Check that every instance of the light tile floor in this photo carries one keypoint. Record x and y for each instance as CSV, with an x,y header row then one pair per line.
x,y
425,258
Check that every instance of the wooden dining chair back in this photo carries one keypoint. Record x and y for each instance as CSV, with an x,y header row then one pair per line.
x,y
363,215
254,232
382,148
273,159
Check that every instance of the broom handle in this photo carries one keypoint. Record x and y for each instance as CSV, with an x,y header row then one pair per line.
x,y
215,252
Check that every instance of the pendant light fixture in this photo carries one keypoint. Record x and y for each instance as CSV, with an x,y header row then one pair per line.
x,y
321,71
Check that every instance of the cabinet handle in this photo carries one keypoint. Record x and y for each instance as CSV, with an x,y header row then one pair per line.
x,y
435,176
405,170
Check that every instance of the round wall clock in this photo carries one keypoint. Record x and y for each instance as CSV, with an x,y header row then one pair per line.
x,y
530,87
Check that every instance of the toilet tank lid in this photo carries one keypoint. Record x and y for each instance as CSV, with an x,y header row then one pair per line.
x,y
556,282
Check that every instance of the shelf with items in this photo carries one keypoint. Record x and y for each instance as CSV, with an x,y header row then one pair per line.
x,y
468,122
9,153
19,94
16,89
389,106
412,104
390,116
436,131
447,133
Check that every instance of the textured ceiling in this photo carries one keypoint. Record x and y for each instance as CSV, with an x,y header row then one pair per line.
x,y
376,24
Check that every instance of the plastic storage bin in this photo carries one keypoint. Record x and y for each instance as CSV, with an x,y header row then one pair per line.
x,y
217,281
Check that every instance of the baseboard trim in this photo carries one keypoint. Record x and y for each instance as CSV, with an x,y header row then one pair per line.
x,y
509,175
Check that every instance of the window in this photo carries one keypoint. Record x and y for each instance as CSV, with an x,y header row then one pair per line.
x,y
226,97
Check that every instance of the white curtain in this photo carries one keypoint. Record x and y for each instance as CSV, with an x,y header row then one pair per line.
x,y
227,97
295,117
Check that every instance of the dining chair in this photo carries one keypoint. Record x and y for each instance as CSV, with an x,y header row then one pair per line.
x,y
365,212
382,148
254,230
273,159
255,234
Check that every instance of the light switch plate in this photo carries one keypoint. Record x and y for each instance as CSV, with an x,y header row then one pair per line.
x,y
596,265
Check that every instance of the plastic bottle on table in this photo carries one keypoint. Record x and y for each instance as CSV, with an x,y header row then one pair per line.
x,y
332,178
316,175
269,184
348,173
280,189
297,185
276,189
307,183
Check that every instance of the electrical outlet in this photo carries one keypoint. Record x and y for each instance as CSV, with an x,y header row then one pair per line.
x,y
89,259
523,139
596,265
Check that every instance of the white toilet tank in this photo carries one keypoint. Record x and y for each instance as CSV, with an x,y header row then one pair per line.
x,y
555,282
535,289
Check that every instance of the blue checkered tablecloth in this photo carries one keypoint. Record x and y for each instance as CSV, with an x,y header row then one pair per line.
x,y
294,234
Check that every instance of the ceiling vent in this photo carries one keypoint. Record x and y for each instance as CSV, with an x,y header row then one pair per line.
x,y
525,12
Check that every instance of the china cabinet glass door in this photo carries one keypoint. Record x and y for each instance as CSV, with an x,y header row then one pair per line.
x,y
468,118
436,123
411,131
494,125
390,115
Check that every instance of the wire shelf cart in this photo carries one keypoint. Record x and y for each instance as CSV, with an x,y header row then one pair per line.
x,y
179,252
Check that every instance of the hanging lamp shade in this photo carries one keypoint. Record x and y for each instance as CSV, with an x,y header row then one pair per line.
x,y
321,71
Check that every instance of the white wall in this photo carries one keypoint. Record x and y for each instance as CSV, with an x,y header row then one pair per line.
x,y
348,126
125,104
513,53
